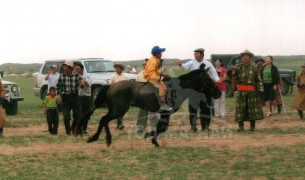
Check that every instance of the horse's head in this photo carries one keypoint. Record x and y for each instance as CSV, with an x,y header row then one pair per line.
x,y
200,81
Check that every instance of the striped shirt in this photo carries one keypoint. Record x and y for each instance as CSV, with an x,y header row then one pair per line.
x,y
140,77
68,84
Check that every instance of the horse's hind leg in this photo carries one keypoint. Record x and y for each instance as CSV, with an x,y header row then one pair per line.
x,y
98,132
108,134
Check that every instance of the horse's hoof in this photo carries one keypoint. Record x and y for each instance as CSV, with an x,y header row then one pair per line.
x,y
157,145
155,142
91,139
108,144
147,135
77,133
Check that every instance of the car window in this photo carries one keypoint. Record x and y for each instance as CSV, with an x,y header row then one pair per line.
x,y
48,65
99,66
60,68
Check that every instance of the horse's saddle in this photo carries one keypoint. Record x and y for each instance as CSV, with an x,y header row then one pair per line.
x,y
171,93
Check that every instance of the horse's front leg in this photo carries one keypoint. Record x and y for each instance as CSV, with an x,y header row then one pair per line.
x,y
162,126
98,132
154,139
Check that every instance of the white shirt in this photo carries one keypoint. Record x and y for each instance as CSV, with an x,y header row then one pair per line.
x,y
194,64
133,70
53,79
117,78
140,77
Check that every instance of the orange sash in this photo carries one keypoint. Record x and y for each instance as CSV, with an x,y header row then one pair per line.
x,y
245,88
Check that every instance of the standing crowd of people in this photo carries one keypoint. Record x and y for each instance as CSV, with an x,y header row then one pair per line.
x,y
257,84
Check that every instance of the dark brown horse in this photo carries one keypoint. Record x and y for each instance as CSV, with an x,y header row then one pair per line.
x,y
120,95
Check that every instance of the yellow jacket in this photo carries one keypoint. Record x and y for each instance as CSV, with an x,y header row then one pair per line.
x,y
151,71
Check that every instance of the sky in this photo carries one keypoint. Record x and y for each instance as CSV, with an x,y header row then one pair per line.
x,y
32,31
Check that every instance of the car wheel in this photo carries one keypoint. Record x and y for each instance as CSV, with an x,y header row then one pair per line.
x,y
44,94
229,91
95,93
11,108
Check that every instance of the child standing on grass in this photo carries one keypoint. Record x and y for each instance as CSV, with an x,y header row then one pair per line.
x,y
50,108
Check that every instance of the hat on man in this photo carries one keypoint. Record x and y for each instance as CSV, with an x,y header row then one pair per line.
x,y
156,50
119,65
201,50
69,63
303,65
259,59
54,66
246,52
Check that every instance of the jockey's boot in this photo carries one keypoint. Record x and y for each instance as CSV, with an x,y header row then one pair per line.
x,y
301,114
165,107
1,132
120,125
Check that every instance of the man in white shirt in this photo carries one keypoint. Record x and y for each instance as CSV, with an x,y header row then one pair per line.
x,y
119,76
134,70
194,101
52,77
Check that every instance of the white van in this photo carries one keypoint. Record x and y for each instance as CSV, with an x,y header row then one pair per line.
x,y
99,71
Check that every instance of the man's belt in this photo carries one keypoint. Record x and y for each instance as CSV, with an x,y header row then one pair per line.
x,y
245,88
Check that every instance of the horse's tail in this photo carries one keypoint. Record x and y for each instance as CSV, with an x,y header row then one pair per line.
x,y
101,96
84,118
98,102
87,115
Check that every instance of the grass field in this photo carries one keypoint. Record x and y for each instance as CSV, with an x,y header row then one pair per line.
x,y
275,151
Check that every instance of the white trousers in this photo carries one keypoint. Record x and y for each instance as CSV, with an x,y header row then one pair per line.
x,y
220,105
